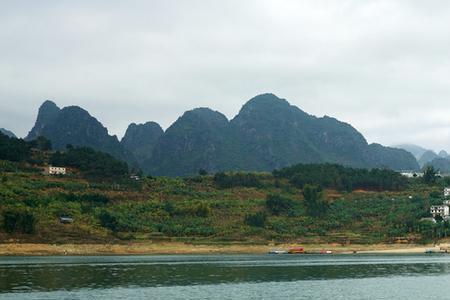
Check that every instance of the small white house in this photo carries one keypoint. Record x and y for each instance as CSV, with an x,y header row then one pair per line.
x,y
411,174
440,210
447,192
52,170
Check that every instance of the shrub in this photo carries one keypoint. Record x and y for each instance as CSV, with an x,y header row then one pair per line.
x,y
202,210
228,180
202,172
169,207
27,223
196,209
435,194
108,220
278,204
10,221
258,219
313,200
19,220
91,198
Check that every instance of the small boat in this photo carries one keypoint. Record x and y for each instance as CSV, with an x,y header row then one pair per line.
x,y
429,251
297,250
277,251
326,252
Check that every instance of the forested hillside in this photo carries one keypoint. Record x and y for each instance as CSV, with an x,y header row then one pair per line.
x,y
313,203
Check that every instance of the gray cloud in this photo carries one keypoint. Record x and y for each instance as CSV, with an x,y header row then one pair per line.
x,y
382,66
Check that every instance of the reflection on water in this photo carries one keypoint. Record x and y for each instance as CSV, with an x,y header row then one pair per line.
x,y
112,276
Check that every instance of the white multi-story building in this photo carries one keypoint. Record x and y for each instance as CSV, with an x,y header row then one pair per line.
x,y
51,170
411,174
440,210
447,192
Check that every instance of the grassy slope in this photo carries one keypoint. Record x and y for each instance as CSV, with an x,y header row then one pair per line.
x,y
171,209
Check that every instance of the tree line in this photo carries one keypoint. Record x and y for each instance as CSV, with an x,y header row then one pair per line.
x,y
342,178
91,163
19,150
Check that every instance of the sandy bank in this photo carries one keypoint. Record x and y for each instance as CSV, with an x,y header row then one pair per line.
x,y
142,248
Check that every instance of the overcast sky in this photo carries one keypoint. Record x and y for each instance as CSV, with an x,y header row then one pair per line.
x,y
383,66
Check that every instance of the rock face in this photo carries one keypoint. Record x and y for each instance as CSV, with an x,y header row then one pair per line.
x,y
379,156
140,139
48,112
268,133
197,140
7,133
75,126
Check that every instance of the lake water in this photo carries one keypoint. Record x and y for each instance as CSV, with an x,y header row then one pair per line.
x,y
227,277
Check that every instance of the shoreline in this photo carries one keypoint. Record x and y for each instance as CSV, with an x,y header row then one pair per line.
x,y
174,248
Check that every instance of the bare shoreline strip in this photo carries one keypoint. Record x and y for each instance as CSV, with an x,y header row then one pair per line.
x,y
149,248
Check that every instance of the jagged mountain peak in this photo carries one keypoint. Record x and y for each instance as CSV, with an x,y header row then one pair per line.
x,y
268,105
140,139
75,126
48,111
206,114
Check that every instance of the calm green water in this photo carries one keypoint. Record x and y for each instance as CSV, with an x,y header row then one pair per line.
x,y
226,277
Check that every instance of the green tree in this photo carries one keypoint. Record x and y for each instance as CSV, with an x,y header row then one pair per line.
x,y
19,220
202,172
278,204
429,175
41,143
27,222
108,220
258,219
314,200
10,221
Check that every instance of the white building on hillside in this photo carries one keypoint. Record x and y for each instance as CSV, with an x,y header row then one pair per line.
x,y
440,210
411,174
447,192
51,170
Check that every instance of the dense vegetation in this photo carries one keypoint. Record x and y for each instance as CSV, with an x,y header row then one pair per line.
x,y
342,178
91,163
18,150
202,209
13,149
228,180
303,203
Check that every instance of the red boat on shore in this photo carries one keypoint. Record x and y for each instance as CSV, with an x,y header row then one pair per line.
x,y
296,250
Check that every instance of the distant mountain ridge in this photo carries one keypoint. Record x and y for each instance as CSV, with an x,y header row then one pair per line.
x,y
440,161
427,157
415,150
7,132
267,133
